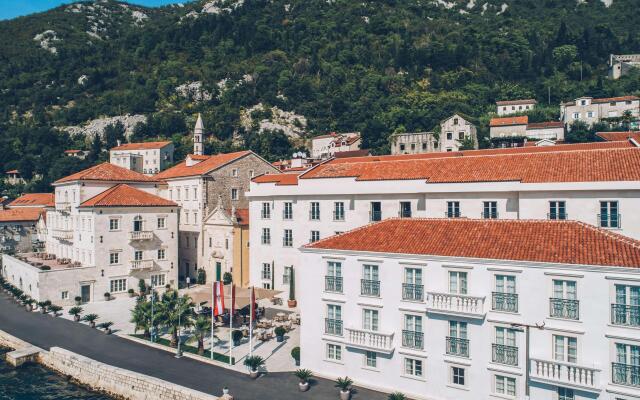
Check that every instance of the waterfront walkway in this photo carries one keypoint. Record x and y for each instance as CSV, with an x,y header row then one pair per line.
x,y
46,331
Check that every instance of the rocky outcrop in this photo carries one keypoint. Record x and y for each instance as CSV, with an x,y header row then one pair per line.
x,y
97,126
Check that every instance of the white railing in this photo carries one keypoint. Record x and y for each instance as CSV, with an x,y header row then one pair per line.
x,y
63,206
369,340
137,265
64,234
141,235
460,304
565,373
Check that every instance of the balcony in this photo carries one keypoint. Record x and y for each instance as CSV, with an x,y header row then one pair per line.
x,y
565,374
456,304
333,326
369,287
62,234
140,235
625,374
333,284
503,354
564,308
411,292
457,347
506,302
338,216
370,340
64,206
139,265
625,315
413,339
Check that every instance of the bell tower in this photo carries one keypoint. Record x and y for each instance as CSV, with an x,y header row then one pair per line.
x,y
198,132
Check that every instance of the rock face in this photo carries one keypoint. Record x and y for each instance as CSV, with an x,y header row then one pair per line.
x,y
47,40
292,124
194,91
97,126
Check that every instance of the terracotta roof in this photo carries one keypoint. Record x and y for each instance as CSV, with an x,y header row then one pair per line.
x,y
565,242
34,200
610,99
285,179
515,102
351,153
21,214
545,125
619,136
123,195
107,172
506,121
208,164
13,171
142,146
242,215
72,151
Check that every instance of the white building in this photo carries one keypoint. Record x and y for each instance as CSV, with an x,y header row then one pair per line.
x,y
509,107
590,110
437,309
453,131
146,158
326,146
550,130
596,183
622,64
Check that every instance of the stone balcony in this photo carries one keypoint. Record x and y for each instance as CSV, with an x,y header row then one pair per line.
x,y
140,235
63,206
456,304
369,340
565,374
62,234
140,265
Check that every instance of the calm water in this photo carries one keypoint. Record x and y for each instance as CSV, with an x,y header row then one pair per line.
x,y
34,382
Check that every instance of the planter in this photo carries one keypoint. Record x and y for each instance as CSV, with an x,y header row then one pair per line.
x,y
92,324
236,343
76,318
29,307
279,339
225,391
254,374
131,294
345,395
297,362
107,331
303,386
292,303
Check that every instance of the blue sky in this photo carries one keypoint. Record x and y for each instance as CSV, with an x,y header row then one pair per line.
x,y
15,8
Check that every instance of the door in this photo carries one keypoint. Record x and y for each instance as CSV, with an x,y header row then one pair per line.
x,y
218,271
85,293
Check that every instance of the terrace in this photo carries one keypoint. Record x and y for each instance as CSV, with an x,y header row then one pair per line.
x,y
46,261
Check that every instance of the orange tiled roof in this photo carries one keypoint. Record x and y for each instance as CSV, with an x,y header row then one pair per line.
x,y
72,151
13,171
619,98
515,102
242,215
208,164
21,214
619,136
285,179
142,146
107,172
544,125
34,200
123,195
565,242
506,121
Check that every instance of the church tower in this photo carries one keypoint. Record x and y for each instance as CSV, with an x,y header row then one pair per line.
x,y
198,132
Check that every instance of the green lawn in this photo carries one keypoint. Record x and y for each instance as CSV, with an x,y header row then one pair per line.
x,y
191,349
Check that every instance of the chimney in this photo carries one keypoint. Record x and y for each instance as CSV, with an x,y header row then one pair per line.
x,y
118,142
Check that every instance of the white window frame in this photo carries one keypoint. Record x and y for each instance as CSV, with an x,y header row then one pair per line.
x,y
161,222
333,352
235,194
505,386
162,254
412,372
114,258
113,220
119,284
160,280
452,376
287,238
370,359
265,237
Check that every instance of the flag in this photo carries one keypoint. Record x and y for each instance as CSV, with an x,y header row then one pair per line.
x,y
253,303
233,299
218,298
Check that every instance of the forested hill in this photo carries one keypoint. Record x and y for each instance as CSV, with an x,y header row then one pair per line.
x,y
372,66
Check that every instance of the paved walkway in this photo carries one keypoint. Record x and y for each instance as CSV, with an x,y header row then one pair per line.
x,y
46,331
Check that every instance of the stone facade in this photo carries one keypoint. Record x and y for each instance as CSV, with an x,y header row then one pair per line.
x,y
590,110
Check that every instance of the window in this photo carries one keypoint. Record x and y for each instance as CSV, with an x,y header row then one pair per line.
x,y
457,342
412,288
557,210
118,285
457,282
315,236
566,394
370,320
590,114
505,350
114,258
338,211
286,276
266,236
564,303
138,224
334,352
266,210
457,376
455,121
401,146
266,271
287,239
505,297
626,309
161,254
162,222
490,209
334,320
576,115
234,172
137,255
424,146
114,224
453,209
371,359
565,348
314,212
158,280
413,367
609,217
266,285
449,135
234,194
251,173
370,281
625,369
287,211
195,193
64,295
333,279
460,135
505,385
412,336
405,209
413,146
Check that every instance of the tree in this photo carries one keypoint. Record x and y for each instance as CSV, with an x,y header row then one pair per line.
x,y
141,317
175,312
201,328
114,133
564,55
95,153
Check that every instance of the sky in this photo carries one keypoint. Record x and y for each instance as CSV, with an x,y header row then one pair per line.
x,y
15,8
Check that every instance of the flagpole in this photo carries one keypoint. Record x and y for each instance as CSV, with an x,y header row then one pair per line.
x,y
212,318
231,326
251,322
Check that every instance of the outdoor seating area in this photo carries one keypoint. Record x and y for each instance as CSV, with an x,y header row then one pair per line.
x,y
41,259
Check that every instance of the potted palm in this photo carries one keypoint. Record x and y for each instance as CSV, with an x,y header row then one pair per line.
x,y
280,331
106,326
295,353
91,319
78,300
344,384
253,363
131,292
28,304
397,396
55,309
236,336
107,296
303,375
292,302
75,311
43,306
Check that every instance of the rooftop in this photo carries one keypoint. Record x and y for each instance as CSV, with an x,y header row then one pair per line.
x,y
516,102
285,179
34,200
619,136
22,214
564,242
123,195
208,164
142,146
545,125
107,172
506,121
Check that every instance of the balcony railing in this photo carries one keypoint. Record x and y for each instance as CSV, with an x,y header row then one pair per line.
x,y
625,374
333,284
333,326
64,206
610,220
564,308
457,347
412,292
369,287
458,304
452,214
140,235
64,234
557,372
507,302
503,354
412,339
375,216
489,215
138,265
370,340
623,314
338,216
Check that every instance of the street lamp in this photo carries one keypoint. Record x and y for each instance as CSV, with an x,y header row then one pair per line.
x,y
526,351
153,331
178,350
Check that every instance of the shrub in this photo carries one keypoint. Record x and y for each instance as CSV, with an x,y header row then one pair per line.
x,y
55,309
227,278
303,375
397,396
344,384
236,335
279,331
254,362
202,277
295,353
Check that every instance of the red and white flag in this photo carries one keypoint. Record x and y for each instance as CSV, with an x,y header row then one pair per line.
x,y
233,299
253,303
218,298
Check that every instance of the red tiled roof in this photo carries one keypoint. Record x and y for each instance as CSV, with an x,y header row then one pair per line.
x,y
34,200
13,171
142,146
107,172
619,136
123,195
242,215
611,99
545,125
72,151
351,153
208,164
21,214
285,179
506,121
515,102
565,242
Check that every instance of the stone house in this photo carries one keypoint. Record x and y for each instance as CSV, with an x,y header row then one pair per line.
x,y
453,131
509,107
590,110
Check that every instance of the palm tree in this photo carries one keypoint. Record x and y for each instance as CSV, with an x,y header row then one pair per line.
x,y
91,319
201,326
175,312
141,317
75,311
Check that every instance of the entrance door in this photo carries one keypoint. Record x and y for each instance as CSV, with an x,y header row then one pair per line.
x,y
85,293
218,271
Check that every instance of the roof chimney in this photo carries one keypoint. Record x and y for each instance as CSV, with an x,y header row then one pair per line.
x,y
118,142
